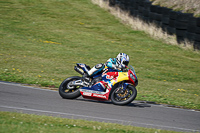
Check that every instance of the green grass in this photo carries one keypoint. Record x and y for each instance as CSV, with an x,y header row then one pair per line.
x,y
42,40
19,123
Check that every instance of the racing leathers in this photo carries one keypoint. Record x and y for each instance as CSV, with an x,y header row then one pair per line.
x,y
111,63
118,63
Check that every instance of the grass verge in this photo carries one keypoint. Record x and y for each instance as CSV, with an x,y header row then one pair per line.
x,y
42,40
18,123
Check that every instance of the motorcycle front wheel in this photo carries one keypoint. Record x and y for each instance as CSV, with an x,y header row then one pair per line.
x,y
69,92
123,97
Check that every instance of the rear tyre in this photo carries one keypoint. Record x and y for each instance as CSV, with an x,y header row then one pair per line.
x,y
69,92
125,97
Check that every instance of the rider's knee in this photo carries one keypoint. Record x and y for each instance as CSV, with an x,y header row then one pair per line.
x,y
96,69
99,66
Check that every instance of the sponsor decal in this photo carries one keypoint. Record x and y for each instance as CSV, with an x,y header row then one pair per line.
x,y
97,95
105,71
87,94
109,77
91,91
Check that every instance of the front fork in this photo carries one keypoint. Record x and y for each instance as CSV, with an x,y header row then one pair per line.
x,y
122,87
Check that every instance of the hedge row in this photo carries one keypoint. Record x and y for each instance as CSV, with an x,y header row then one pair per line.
x,y
183,25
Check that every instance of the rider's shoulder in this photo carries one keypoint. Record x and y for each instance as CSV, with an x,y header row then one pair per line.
x,y
112,59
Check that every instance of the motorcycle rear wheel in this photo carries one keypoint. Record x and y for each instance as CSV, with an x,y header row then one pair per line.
x,y
69,93
130,94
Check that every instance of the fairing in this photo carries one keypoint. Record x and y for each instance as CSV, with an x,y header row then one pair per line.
x,y
102,89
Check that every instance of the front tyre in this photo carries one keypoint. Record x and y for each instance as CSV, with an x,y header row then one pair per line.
x,y
123,97
69,92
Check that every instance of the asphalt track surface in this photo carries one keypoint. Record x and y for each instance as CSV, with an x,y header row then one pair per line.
x,y
19,98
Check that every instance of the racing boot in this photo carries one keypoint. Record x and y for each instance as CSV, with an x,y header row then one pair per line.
x,y
86,79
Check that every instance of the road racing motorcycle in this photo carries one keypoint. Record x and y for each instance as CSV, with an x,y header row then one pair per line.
x,y
119,86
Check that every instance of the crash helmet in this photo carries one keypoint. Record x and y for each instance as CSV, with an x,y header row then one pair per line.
x,y
122,59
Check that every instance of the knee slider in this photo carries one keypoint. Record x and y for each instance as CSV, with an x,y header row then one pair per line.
x,y
99,66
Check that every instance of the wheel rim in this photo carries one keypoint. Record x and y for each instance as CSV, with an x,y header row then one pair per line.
x,y
121,96
69,89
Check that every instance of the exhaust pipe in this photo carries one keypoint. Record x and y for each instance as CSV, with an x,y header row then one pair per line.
x,y
78,70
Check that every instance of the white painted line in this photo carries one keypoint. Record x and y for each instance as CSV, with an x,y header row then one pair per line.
x,y
108,119
18,84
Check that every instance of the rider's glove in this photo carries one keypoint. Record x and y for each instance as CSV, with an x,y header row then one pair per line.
x,y
117,68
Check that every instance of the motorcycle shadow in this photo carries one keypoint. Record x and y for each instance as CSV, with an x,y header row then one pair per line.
x,y
133,104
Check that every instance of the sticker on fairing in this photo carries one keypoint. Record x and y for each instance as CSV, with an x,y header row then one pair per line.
x,y
91,91
100,96
87,94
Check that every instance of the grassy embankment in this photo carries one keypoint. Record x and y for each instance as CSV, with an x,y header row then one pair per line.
x,y
152,29
185,6
42,40
20,123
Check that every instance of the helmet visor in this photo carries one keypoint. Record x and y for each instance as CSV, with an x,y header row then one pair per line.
x,y
125,63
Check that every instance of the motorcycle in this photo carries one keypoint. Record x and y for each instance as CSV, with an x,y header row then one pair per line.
x,y
119,86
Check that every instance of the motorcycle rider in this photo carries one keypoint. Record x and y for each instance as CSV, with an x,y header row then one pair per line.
x,y
118,63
